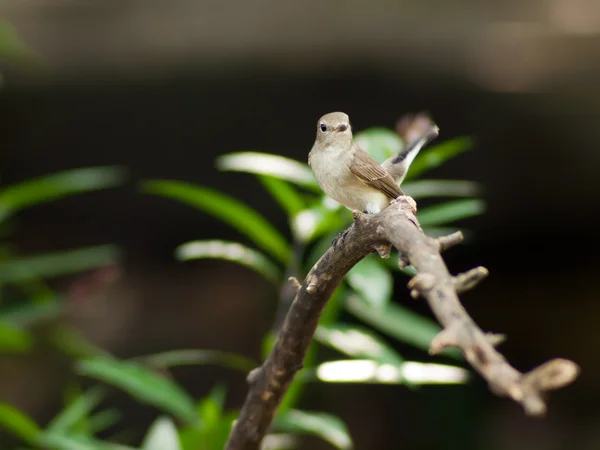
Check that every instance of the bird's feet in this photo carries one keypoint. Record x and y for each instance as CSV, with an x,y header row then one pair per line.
x,y
339,239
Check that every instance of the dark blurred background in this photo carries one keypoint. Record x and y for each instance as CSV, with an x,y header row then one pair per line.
x,y
164,87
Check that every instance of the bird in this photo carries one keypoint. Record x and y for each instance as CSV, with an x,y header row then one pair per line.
x,y
349,175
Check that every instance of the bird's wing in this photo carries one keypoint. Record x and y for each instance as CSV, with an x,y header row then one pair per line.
x,y
372,174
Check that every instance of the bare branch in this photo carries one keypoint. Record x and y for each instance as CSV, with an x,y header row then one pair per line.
x,y
495,338
295,283
421,283
468,280
397,225
447,242
384,250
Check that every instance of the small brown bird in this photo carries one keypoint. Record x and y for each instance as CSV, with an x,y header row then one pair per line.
x,y
349,175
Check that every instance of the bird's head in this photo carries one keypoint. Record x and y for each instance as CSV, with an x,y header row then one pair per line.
x,y
334,129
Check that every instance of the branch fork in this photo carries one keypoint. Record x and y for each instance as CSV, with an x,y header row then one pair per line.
x,y
397,226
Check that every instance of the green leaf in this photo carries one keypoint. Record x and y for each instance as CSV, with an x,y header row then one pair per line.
x,y
78,410
326,426
14,339
436,155
272,165
316,221
57,263
381,143
409,373
162,435
441,188
210,408
78,441
229,210
450,212
73,343
43,189
30,313
198,357
104,419
215,424
284,194
230,251
372,280
142,384
398,322
207,438
358,342
18,424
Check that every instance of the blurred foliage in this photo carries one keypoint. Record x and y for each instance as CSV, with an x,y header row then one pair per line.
x,y
366,293
186,423
26,300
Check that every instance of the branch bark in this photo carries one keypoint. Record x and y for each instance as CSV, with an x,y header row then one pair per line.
x,y
398,226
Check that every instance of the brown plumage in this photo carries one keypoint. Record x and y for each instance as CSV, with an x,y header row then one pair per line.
x,y
372,174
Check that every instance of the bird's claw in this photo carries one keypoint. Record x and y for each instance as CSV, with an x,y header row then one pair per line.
x,y
339,239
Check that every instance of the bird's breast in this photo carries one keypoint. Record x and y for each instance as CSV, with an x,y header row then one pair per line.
x,y
332,171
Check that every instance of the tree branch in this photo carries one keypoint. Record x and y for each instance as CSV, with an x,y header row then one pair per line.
x,y
396,225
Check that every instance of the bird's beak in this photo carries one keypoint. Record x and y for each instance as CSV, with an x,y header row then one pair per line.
x,y
342,127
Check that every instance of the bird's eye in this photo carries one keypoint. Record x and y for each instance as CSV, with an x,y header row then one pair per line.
x,y
323,127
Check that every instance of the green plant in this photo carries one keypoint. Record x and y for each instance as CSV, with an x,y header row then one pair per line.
x,y
30,299
367,291
189,424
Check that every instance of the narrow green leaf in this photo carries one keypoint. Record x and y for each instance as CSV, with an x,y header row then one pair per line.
x,y
227,209
175,358
358,342
326,426
398,322
280,441
207,438
381,143
268,164
30,313
230,251
104,419
450,212
409,373
311,223
57,263
73,343
438,154
79,409
162,435
284,194
14,339
210,409
143,384
441,188
18,424
43,189
372,280
78,441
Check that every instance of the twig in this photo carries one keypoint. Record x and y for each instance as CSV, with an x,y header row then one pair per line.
x,y
397,225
